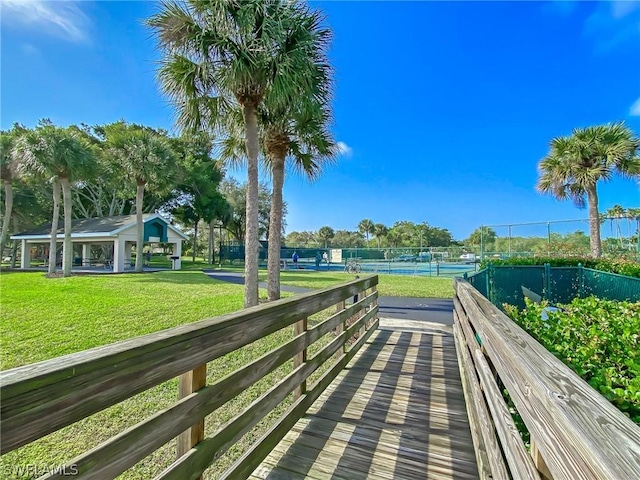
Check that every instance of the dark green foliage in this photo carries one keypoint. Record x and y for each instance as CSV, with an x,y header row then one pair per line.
x,y
619,266
597,339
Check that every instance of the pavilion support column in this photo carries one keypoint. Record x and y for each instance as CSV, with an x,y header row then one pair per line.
x,y
127,254
86,254
177,252
118,255
25,261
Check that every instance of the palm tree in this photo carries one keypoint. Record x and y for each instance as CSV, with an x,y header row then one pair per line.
x,y
326,234
222,52
575,164
618,212
304,139
146,158
366,227
63,155
380,231
7,174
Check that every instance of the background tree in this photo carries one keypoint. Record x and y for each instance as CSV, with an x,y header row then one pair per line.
x,y
575,164
146,159
220,52
325,235
235,194
196,196
482,234
63,155
366,227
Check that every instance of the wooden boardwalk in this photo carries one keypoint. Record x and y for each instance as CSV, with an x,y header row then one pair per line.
x,y
396,412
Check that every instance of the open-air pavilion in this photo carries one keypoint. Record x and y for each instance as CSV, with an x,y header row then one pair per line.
x,y
113,237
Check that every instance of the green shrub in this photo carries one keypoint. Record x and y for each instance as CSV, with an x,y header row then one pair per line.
x,y
620,266
597,339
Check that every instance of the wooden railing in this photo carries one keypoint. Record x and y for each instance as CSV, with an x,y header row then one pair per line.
x,y
44,397
575,432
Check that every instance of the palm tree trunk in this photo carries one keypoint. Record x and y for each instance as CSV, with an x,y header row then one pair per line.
x,y
14,247
139,226
67,247
53,242
251,231
594,222
195,241
275,228
8,206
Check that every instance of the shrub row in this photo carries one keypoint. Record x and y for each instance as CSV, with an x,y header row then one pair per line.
x,y
620,266
597,339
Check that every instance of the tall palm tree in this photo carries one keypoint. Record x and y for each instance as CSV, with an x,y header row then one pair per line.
x,y
63,155
7,172
575,164
222,52
303,138
146,158
366,228
380,231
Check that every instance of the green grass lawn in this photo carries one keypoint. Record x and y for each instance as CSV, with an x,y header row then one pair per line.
x,y
44,318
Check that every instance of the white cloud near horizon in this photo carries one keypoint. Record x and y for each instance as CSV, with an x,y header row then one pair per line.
x,y
63,19
344,149
635,108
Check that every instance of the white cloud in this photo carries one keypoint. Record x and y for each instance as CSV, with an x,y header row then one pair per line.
x,y
609,24
635,108
344,149
29,49
61,18
612,24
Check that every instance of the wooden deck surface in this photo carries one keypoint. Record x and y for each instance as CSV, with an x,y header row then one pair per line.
x,y
396,412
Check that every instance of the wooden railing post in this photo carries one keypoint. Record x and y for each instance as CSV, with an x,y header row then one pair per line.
x,y
341,327
300,358
191,382
362,313
539,462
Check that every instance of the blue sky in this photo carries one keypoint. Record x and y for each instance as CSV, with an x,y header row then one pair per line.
x,y
444,108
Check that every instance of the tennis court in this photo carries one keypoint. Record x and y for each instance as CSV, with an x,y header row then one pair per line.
x,y
430,269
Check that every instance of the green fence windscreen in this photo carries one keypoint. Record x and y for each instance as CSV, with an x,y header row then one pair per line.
x,y
479,280
559,285
610,285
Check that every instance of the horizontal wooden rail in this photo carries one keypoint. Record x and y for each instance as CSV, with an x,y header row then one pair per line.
x,y
575,431
41,398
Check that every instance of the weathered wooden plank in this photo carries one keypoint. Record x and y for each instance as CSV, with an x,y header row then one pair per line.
x,y
40,398
259,450
519,461
580,434
480,447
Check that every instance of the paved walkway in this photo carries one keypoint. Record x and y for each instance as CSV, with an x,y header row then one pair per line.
x,y
437,310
